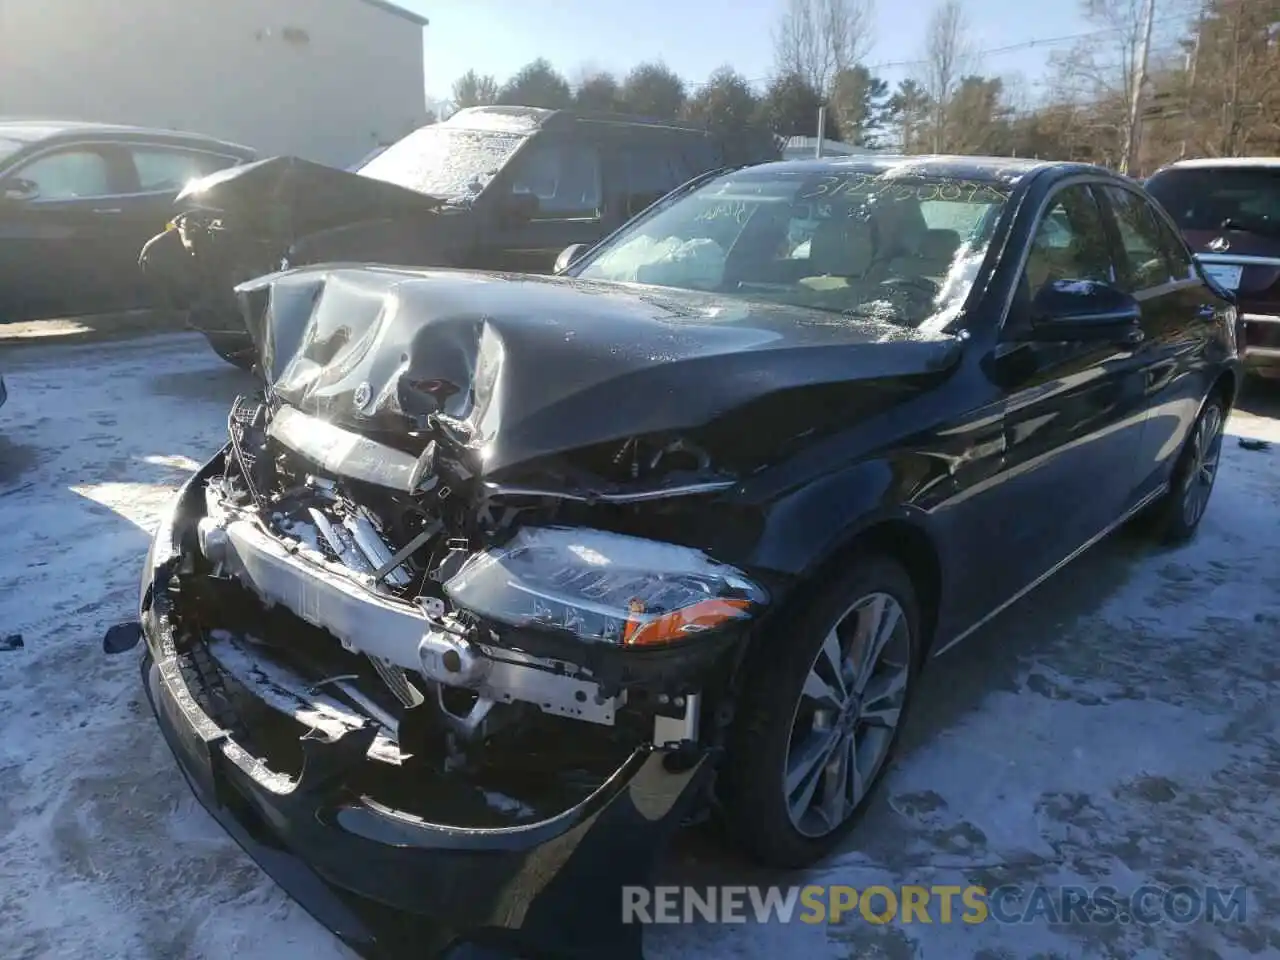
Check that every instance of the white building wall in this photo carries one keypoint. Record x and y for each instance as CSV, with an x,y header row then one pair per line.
x,y
323,79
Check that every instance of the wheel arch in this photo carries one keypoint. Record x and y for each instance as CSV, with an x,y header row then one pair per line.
x,y
901,537
1227,385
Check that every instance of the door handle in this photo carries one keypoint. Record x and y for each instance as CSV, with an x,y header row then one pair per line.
x,y
105,211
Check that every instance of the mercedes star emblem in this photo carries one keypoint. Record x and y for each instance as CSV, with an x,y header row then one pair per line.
x,y
1219,244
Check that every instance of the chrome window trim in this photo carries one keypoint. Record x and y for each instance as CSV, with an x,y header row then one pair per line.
x,y
1243,260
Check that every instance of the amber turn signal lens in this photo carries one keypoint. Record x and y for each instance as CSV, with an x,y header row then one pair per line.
x,y
680,624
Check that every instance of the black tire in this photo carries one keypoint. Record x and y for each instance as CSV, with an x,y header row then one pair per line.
x,y
757,811
1171,519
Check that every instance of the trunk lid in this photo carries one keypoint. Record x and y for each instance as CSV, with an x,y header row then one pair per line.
x,y
290,197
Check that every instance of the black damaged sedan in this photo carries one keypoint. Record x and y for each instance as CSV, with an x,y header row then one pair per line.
x,y
501,578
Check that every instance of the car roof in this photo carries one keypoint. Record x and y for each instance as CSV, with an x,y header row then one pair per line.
x,y
1222,163
34,130
517,119
1009,170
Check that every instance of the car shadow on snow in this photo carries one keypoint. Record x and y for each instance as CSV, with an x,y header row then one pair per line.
x,y
1261,397
222,383
16,459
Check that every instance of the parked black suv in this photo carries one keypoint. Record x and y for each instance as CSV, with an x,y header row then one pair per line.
x,y
494,188
1228,209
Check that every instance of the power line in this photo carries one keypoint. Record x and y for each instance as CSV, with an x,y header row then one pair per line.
x,y
1024,45
989,52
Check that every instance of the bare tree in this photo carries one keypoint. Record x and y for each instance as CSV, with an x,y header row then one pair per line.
x,y
949,55
817,39
1100,72
1233,105
1213,88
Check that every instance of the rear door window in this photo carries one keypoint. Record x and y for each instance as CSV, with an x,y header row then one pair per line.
x,y
653,171
1146,262
1181,263
164,169
564,176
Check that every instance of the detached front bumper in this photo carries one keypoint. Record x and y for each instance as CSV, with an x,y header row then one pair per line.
x,y
392,885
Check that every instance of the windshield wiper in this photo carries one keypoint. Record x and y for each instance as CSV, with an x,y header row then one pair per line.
x,y
1262,229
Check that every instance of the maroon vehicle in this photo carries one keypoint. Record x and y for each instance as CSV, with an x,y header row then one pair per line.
x,y
1228,209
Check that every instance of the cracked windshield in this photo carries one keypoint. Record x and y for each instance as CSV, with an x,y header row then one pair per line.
x,y
903,249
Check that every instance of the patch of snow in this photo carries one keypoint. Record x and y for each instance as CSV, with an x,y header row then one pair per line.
x,y
305,533
287,693
179,463
1081,287
1117,725
955,287
104,852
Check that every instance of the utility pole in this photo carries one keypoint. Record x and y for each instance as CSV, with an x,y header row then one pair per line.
x,y
1133,135
1192,61
822,129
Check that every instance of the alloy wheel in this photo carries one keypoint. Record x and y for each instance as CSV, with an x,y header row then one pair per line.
x,y
1202,468
848,713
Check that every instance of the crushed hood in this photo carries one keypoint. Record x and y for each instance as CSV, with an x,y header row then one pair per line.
x,y
292,198
533,366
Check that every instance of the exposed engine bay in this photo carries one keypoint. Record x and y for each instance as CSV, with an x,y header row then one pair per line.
x,y
341,584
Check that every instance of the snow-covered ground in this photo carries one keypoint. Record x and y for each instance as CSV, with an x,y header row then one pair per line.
x,y
1117,726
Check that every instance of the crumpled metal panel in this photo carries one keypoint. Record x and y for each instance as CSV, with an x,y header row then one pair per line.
x,y
524,367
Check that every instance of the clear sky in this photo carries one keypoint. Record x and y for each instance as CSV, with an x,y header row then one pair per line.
x,y
695,36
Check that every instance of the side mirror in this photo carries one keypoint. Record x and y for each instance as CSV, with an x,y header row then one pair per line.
x,y
1084,310
520,207
18,189
569,255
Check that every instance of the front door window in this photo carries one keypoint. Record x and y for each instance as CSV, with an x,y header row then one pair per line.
x,y
68,175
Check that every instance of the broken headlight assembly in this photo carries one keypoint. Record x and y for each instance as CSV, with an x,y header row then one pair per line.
x,y
604,587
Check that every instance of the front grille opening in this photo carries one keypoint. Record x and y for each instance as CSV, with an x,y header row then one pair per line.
x,y
534,768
